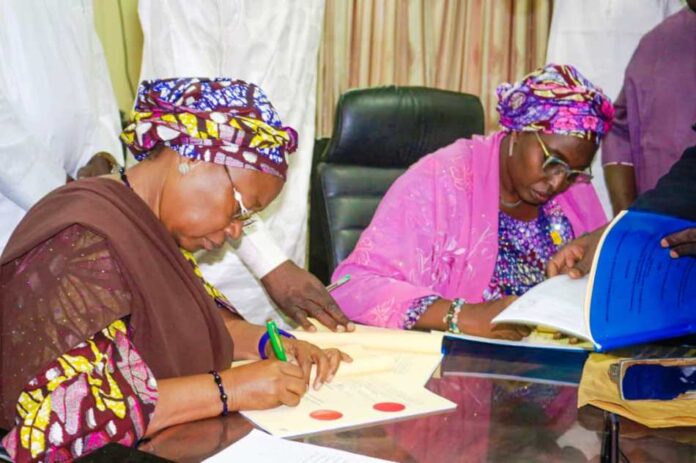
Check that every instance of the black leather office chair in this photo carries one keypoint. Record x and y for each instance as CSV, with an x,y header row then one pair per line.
x,y
378,133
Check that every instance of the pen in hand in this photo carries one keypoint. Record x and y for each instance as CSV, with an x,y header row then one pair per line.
x,y
276,343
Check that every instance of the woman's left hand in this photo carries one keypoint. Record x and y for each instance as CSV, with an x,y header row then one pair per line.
x,y
306,354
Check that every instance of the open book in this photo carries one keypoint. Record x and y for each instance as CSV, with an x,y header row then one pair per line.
x,y
385,382
635,292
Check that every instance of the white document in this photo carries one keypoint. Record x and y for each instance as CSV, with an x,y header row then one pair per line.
x,y
558,302
350,403
382,339
259,447
414,355
385,382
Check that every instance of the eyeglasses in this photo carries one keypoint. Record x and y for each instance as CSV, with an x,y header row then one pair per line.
x,y
555,167
244,215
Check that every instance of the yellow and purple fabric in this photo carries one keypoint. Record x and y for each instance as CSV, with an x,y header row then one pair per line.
x,y
555,99
220,120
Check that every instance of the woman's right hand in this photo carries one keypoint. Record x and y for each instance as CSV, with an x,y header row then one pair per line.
x,y
476,319
264,384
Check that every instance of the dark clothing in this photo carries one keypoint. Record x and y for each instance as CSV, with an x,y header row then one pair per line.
x,y
675,193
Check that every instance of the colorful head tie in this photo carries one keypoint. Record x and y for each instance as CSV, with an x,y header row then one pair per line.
x,y
555,99
220,120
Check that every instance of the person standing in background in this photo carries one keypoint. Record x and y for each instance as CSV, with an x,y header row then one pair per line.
x,y
599,37
58,114
273,44
654,111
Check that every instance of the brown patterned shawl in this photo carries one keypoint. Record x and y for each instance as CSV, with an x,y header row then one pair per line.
x,y
54,296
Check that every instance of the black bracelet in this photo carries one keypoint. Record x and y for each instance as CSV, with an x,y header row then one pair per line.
x,y
221,388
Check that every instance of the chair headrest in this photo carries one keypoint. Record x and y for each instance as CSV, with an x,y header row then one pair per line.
x,y
396,126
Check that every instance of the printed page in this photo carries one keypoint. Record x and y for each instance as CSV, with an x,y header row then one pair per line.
x,y
348,403
557,302
259,447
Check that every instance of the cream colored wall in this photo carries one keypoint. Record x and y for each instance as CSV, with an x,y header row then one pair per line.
x,y
117,24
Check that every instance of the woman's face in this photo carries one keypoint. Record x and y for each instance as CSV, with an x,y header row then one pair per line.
x,y
536,185
200,210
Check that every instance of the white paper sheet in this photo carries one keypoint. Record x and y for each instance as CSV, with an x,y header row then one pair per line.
x,y
259,447
557,302
350,403
379,376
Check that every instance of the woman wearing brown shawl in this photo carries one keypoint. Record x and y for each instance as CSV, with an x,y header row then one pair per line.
x,y
108,333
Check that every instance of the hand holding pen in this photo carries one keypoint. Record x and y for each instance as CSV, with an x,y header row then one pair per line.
x,y
301,296
330,311
305,355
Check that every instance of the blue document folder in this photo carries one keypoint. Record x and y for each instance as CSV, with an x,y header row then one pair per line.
x,y
638,292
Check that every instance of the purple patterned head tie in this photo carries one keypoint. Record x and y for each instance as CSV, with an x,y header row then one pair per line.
x,y
220,120
555,99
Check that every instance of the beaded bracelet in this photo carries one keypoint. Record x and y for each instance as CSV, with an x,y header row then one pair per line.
x,y
264,340
452,318
221,388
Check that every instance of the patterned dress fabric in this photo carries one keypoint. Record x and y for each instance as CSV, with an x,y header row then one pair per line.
x,y
524,249
417,308
100,391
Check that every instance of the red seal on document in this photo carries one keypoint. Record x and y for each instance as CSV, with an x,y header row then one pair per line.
x,y
326,415
389,407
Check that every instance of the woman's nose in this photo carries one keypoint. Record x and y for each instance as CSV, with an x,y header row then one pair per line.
x,y
218,238
234,230
557,182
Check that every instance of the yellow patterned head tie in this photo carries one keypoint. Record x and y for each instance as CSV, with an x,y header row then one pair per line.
x,y
228,122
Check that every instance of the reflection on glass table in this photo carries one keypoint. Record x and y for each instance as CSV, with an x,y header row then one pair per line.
x,y
511,408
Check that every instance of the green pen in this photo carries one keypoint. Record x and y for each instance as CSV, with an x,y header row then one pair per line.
x,y
276,343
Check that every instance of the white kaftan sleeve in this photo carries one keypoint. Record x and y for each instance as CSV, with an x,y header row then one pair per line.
x,y
258,249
